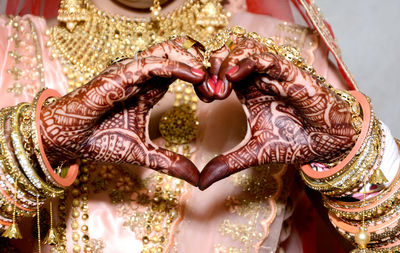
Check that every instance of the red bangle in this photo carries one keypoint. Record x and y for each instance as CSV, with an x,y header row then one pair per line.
x,y
51,175
366,109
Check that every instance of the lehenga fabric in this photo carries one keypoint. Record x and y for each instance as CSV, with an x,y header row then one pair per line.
x,y
248,212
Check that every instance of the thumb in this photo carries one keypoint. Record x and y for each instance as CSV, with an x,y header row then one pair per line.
x,y
225,165
173,164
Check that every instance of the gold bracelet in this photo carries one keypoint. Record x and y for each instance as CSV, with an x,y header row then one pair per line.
x,y
10,164
24,162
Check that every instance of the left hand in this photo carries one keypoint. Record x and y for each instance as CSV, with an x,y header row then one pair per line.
x,y
106,120
292,119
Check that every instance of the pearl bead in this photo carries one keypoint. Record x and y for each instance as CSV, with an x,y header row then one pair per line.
x,y
362,238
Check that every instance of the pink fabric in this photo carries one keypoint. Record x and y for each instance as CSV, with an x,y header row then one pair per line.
x,y
204,212
273,8
45,8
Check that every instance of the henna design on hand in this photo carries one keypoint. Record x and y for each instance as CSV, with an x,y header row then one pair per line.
x,y
291,118
106,119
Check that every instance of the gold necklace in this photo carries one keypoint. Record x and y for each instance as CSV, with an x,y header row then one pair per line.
x,y
103,37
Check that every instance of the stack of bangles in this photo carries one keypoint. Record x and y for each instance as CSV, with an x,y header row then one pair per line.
x,y
362,190
26,176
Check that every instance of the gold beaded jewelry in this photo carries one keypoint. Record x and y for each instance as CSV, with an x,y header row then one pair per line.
x,y
52,235
156,10
80,209
38,225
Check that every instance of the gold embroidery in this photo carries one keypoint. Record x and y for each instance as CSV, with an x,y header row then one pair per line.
x,y
16,88
15,72
318,21
297,36
256,205
292,34
29,79
96,245
151,213
15,55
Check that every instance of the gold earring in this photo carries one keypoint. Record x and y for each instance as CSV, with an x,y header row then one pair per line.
x,y
71,12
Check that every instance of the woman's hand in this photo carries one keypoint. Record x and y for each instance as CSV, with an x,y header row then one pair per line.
x,y
106,119
292,119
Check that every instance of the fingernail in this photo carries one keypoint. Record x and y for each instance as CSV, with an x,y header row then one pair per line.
x,y
197,72
232,70
214,78
211,85
219,88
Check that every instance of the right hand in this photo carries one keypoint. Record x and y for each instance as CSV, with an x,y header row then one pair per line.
x,y
106,120
292,118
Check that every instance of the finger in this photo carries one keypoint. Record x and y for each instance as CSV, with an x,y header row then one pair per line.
x,y
206,90
262,63
173,164
244,49
216,59
194,49
223,166
297,87
154,66
173,50
218,56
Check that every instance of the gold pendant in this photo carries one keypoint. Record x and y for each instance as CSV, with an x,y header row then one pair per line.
x,y
378,177
71,12
51,237
13,232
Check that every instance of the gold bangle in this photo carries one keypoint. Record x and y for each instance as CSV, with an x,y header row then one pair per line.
x,y
23,159
35,141
10,164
